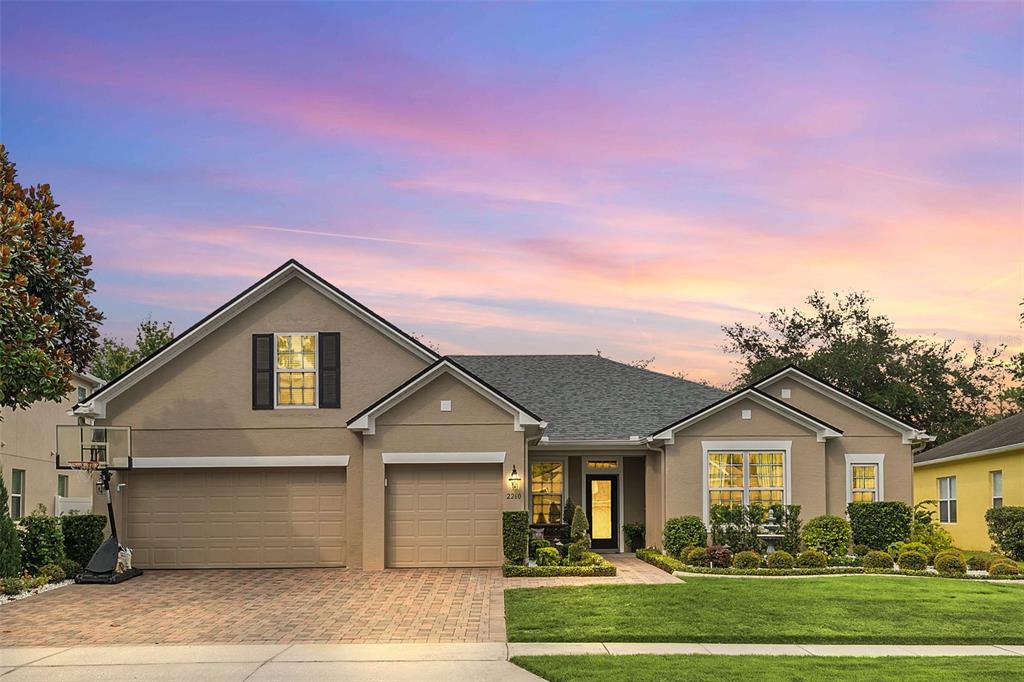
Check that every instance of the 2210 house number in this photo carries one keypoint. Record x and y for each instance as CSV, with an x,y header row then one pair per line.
x,y
514,496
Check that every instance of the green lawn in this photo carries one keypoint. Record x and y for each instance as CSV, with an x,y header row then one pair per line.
x,y
771,668
855,609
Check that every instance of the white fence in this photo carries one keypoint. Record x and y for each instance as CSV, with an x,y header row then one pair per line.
x,y
62,505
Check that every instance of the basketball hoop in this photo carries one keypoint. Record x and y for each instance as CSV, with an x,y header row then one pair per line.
x,y
87,465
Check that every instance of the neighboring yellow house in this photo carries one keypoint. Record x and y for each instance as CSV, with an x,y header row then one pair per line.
x,y
968,476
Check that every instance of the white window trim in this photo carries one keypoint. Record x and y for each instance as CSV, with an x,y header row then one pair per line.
x,y
564,461
939,499
992,486
878,460
786,446
316,371
20,494
67,484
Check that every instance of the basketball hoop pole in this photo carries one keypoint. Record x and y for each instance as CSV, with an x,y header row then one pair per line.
x,y
104,484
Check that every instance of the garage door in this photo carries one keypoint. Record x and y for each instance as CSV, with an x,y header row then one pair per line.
x,y
443,515
236,518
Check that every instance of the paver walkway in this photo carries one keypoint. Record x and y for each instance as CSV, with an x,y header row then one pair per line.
x,y
629,569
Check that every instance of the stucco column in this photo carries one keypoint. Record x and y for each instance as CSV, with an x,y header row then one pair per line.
x,y
373,505
654,513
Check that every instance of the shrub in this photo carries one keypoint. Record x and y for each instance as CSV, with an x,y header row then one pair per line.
x,y
950,564
1006,528
698,556
912,561
71,567
950,552
812,558
42,540
595,566
788,518
846,561
538,543
897,548
747,559
10,542
662,561
634,533
879,524
12,585
580,525
719,556
684,531
780,559
548,556
568,511
53,573
980,562
1004,568
515,536
860,550
579,549
829,534
736,527
83,535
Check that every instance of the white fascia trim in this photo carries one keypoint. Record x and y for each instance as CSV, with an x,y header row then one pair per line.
x,y
822,432
97,406
744,445
443,457
546,443
909,433
967,455
878,460
245,462
367,422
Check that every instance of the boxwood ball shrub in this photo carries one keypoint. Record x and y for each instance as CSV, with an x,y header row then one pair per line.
x,y
548,556
879,524
515,536
950,552
698,556
812,558
829,534
719,556
877,559
912,561
1004,568
83,535
1006,528
747,559
780,559
979,562
950,564
684,531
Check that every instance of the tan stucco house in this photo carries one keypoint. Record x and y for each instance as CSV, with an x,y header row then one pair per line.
x,y
295,427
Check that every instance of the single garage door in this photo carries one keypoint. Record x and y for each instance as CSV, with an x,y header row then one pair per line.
x,y
443,515
236,518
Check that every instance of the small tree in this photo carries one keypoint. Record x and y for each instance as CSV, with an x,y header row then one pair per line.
x,y
10,543
43,540
580,524
115,357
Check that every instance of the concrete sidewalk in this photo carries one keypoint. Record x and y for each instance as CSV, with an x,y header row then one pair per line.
x,y
400,662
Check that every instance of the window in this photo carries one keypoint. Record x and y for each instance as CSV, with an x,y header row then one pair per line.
x,y
295,370
864,482
745,477
997,489
17,493
947,499
547,485
81,393
62,485
602,464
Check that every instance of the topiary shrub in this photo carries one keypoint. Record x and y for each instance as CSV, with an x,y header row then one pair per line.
x,y
780,559
1006,528
979,562
950,564
83,535
548,556
634,533
53,573
42,540
698,556
1004,568
580,525
879,524
515,536
860,550
828,534
812,558
719,556
10,542
683,531
747,559
579,549
912,561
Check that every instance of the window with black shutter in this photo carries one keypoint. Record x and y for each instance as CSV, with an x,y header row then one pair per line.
x,y
262,371
330,369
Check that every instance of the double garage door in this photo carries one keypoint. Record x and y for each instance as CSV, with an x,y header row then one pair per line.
x,y
245,518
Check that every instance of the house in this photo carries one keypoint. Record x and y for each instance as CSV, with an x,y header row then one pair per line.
x,y
27,442
293,426
972,474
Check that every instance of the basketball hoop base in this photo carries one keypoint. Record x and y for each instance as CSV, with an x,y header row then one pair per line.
x,y
109,578
102,568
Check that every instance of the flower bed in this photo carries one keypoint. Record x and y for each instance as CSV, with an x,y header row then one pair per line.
x,y
598,567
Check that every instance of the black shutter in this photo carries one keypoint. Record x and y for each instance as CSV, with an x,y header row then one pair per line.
x,y
262,371
329,366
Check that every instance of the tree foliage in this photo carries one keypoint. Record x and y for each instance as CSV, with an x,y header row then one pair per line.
x,y
115,357
932,383
47,324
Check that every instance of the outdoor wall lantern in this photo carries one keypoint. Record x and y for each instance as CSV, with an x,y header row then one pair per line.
x,y
513,479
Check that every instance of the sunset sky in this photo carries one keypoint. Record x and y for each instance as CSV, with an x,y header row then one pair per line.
x,y
536,178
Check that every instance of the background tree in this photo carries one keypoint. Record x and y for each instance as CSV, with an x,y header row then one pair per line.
x,y
933,384
115,357
1014,393
47,324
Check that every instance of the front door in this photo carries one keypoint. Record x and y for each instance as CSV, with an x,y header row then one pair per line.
x,y
603,510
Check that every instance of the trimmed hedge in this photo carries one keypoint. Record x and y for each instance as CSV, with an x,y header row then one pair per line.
x,y
83,535
780,560
599,567
812,558
877,559
840,570
548,556
747,560
1006,528
1003,568
912,561
829,534
662,561
42,541
683,531
515,536
950,565
880,524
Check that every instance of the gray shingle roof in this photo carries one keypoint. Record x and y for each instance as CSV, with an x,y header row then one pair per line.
x,y
587,397
1004,432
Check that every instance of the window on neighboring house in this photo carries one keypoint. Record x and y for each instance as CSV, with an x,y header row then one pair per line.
x,y
745,477
947,499
547,487
864,482
997,489
17,493
81,393
62,485
295,370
